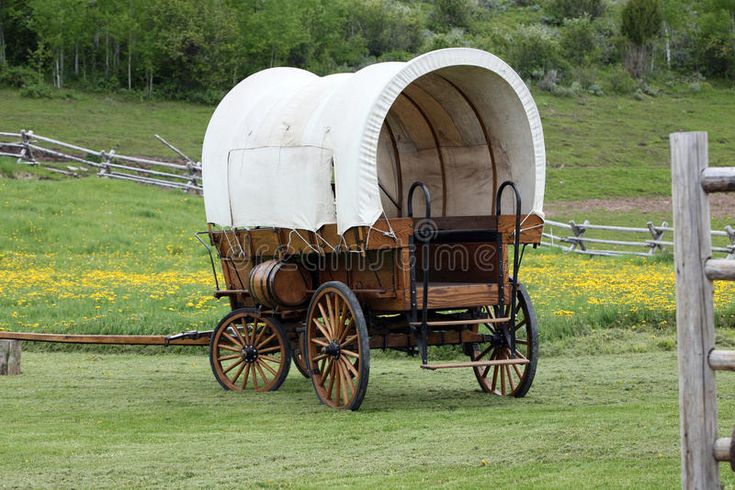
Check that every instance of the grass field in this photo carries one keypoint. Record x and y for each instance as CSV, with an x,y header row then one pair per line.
x,y
103,420
612,146
98,256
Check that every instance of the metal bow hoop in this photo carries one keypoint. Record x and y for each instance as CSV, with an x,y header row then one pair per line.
x,y
425,239
516,246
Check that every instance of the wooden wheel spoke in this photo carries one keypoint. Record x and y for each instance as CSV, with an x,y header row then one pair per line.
x,y
238,334
343,376
266,341
337,381
520,324
322,329
320,342
341,319
348,340
260,333
331,381
275,348
228,347
351,368
484,353
320,357
332,318
263,364
510,378
230,367
495,374
326,319
518,371
348,324
238,373
245,378
232,356
262,373
255,378
502,379
270,359
231,339
326,367
350,353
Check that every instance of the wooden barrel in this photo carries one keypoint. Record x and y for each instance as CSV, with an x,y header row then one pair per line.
x,y
275,283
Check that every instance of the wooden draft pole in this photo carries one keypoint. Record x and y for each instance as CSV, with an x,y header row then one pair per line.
x,y
701,450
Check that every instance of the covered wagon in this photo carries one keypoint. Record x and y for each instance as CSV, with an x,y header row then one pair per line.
x,y
383,209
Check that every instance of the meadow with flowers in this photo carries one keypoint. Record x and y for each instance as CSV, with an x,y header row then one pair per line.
x,y
99,256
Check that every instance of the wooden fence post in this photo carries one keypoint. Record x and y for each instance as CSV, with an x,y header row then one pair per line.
x,y
694,312
9,357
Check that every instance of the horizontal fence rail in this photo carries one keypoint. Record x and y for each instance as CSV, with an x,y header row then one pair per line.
x,y
570,237
54,155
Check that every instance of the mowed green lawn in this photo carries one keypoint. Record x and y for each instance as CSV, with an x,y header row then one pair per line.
x,y
109,420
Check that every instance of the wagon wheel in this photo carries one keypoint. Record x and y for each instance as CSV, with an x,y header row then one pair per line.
x,y
248,351
298,356
509,380
337,346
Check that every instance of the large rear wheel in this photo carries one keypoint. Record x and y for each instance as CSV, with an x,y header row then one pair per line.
x,y
337,346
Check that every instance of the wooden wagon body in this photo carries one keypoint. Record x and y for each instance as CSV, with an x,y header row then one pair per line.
x,y
310,194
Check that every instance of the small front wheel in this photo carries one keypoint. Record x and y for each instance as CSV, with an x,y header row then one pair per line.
x,y
337,346
249,351
509,379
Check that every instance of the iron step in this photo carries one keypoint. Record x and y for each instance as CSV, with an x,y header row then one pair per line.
x,y
498,362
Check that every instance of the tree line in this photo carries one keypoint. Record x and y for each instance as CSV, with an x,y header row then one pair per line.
x,y
196,49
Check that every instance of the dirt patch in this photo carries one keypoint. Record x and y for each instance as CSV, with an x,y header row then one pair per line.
x,y
721,206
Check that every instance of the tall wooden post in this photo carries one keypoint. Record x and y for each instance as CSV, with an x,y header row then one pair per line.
x,y
694,312
9,357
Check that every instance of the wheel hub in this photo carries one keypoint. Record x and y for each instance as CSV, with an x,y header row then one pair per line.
x,y
249,353
332,349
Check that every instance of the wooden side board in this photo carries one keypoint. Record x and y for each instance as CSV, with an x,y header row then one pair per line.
x,y
385,288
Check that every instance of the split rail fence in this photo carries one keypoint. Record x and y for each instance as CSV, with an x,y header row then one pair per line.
x,y
653,241
186,174
33,149
692,181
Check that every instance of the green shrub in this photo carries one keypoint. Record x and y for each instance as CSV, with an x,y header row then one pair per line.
x,y
596,90
579,41
37,91
619,81
574,9
17,76
534,49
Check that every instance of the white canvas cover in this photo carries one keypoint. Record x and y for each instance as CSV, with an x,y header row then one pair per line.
x,y
460,120
303,197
